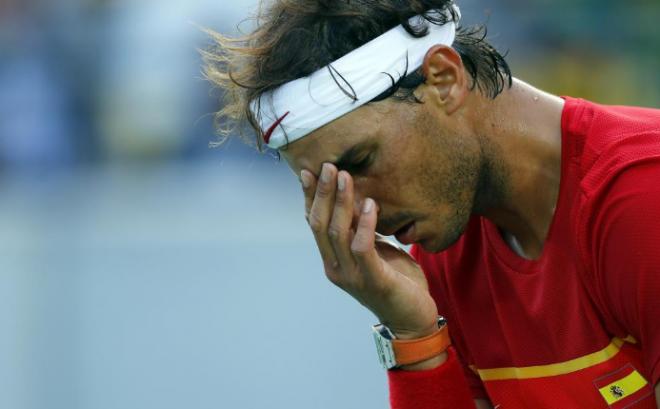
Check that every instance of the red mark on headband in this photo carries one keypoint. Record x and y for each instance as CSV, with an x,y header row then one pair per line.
x,y
270,130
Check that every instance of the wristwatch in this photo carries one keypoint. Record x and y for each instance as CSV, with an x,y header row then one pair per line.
x,y
394,352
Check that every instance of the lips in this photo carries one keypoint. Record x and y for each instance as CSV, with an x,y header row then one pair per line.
x,y
406,234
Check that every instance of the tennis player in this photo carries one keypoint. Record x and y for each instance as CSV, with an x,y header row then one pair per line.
x,y
534,275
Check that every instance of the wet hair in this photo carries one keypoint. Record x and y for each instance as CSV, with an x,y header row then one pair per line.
x,y
294,38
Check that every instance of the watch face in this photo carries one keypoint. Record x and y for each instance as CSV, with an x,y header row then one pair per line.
x,y
383,338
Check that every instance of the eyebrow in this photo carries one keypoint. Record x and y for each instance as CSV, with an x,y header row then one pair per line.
x,y
350,156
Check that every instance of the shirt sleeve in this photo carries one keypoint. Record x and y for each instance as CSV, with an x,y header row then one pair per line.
x,y
443,387
626,246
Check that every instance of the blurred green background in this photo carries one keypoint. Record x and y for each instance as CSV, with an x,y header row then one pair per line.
x,y
141,269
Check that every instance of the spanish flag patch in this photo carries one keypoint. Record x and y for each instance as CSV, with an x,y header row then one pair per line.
x,y
623,388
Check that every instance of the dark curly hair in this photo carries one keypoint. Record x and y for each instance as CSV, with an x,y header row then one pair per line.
x,y
294,38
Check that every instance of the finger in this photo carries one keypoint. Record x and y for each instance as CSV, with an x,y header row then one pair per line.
x,y
339,231
363,245
308,181
321,213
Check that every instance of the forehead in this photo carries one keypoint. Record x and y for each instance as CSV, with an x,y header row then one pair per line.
x,y
329,143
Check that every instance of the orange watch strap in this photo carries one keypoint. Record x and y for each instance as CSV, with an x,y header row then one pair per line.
x,y
410,351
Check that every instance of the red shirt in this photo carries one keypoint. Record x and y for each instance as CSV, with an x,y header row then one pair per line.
x,y
550,333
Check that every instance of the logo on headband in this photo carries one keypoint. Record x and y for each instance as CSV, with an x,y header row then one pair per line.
x,y
272,128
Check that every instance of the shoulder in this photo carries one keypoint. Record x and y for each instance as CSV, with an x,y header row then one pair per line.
x,y
606,140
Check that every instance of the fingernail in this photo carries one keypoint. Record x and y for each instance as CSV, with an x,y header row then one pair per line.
x,y
304,179
341,182
325,173
368,206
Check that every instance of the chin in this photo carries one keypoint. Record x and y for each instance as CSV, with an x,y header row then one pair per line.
x,y
438,244
432,246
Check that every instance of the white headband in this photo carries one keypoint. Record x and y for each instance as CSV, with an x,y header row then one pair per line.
x,y
302,106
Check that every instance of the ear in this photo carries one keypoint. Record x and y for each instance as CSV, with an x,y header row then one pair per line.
x,y
446,79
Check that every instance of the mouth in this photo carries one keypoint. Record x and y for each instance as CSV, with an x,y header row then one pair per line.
x,y
406,234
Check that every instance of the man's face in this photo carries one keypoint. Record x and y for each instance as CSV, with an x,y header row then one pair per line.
x,y
414,161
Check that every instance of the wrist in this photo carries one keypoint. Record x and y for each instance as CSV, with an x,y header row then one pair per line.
x,y
412,350
428,364
410,335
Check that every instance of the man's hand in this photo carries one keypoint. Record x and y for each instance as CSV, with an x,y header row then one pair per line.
x,y
382,277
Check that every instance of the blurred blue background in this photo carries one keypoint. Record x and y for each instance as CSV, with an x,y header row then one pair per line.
x,y
140,269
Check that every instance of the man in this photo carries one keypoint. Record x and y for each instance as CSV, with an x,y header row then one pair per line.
x,y
533,218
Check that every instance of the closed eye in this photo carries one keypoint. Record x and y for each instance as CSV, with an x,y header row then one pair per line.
x,y
357,166
357,159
